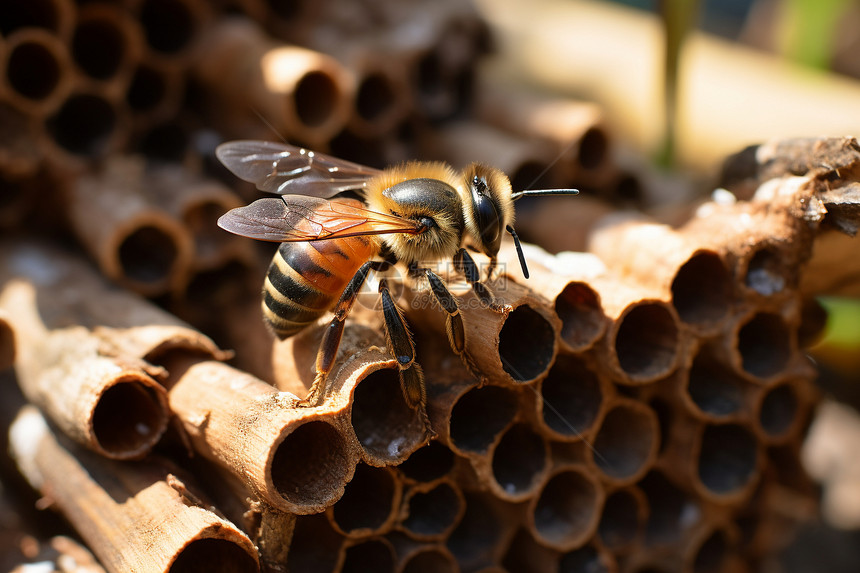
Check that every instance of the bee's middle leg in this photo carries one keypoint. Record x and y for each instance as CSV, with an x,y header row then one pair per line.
x,y
464,263
333,333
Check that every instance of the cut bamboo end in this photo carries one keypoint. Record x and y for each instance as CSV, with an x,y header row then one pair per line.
x,y
106,46
623,519
472,419
373,554
517,465
578,306
761,346
780,411
7,341
566,512
571,399
713,390
672,512
171,44
626,444
56,16
369,503
258,433
431,510
152,529
481,534
430,463
154,94
315,547
86,124
728,462
426,559
37,94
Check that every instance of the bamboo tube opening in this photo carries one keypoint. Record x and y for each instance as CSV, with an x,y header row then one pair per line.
x,y
311,456
586,559
479,416
315,546
428,463
316,98
712,554
84,124
626,443
778,410
148,255
571,398
728,458
129,419
15,14
566,511
216,555
764,344
432,513
714,388
766,271
367,502
671,512
646,342
148,88
24,59
371,555
701,290
99,46
622,518
525,358
593,148
168,25
386,427
519,461
478,532
375,97
430,560
582,320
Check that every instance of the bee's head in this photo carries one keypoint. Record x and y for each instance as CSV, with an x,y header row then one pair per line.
x,y
488,207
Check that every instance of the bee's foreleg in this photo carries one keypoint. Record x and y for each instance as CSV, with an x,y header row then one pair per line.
x,y
453,321
400,343
333,333
464,263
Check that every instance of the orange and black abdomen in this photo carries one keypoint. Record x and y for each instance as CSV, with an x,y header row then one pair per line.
x,y
306,279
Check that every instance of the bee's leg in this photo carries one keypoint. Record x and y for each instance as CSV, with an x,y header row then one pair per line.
x,y
464,263
453,321
400,344
333,333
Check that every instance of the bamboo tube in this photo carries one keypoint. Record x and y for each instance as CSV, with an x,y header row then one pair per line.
x,y
373,554
174,44
22,152
134,242
517,466
525,161
57,16
712,391
431,510
8,345
107,44
571,400
711,548
315,547
37,94
423,558
87,124
110,404
622,520
566,512
694,278
625,446
761,346
432,462
672,512
369,503
129,514
728,462
781,412
576,128
258,433
303,94
154,93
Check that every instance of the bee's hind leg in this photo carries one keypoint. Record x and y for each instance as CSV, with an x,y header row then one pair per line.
x,y
401,345
334,331
464,263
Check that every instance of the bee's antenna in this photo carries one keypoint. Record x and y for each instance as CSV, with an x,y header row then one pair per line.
x,y
538,192
513,233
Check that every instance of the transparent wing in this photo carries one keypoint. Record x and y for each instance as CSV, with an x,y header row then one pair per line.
x,y
285,169
293,218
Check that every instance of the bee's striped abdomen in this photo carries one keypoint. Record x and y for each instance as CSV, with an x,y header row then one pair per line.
x,y
305,279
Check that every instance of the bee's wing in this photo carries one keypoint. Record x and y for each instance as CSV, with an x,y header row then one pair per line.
x,y
293,218
285,169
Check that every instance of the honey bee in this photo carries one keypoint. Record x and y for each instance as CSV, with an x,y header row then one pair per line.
x,y
416,213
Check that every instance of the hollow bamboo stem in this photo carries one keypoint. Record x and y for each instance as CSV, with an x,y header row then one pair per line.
x,y
37,94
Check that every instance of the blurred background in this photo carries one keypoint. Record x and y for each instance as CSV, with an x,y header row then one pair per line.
x,y
110,112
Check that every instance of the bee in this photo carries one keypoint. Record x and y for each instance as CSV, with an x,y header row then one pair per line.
x,y
415,214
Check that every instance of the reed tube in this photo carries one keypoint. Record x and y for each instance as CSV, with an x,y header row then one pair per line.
x,y
36,93
369,503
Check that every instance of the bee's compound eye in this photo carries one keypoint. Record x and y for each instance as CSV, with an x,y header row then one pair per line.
x,y
427,222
